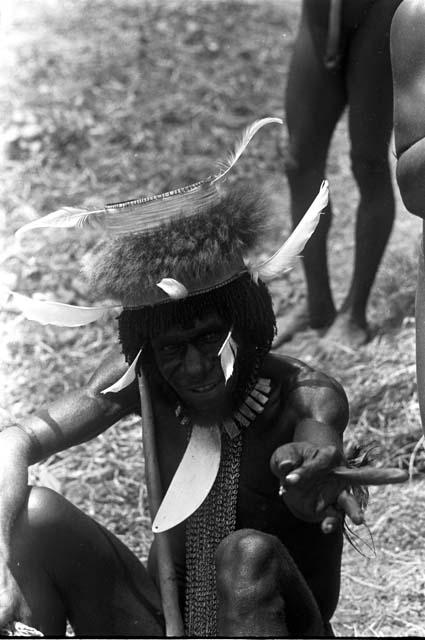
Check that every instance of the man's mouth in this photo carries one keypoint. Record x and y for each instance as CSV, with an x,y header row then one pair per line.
x,y
205,388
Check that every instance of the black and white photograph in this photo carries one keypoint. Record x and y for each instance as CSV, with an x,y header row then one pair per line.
x,y
212,318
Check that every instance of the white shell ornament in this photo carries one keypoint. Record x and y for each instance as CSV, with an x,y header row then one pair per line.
x,y
173,288
193,479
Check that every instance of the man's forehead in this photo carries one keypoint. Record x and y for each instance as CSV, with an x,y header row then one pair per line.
x,y
197,326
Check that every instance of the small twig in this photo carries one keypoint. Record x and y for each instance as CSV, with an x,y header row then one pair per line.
x,y
370,585
166,571
418,445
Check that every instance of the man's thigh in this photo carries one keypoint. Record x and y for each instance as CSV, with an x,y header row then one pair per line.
x,y
315,97
63,558
369,82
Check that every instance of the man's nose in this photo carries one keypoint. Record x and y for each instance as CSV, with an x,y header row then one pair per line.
x,y
194,362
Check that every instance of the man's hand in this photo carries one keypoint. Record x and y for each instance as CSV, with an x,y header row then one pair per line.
x,y
315,483
12,603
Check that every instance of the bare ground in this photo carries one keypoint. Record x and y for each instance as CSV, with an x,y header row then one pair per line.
x,y
107,100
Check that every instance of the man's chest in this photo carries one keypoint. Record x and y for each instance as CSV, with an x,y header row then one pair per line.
x,y
273,428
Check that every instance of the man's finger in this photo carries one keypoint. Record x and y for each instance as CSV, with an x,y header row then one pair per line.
x,y
330,524
285,466
283,462
332,519
347,502
371,475
324,460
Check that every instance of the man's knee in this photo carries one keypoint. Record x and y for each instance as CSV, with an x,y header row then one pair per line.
x,y
248,563
369,168
34,535
43,506
301,161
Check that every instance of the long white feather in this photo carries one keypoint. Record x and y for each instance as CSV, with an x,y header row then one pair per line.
x,y
65,218
247,136
125,380
227,355
173,288
140,215
193,479
56,313
285,258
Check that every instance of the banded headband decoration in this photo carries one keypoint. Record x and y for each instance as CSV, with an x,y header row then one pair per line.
x,y
175,217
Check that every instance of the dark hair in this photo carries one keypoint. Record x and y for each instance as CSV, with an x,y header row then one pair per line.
x,y
242,304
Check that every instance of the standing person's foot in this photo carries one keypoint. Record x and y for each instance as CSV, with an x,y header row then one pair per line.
x,y
296,320
345,333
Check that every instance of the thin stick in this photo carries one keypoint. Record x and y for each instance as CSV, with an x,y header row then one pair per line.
x,y
166,571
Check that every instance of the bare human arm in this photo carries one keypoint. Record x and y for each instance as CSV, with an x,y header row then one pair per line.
x,y
320,415
408,62
74,418
408,65
313,471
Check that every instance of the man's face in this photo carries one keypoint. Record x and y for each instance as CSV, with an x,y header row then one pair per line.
x,y
188,360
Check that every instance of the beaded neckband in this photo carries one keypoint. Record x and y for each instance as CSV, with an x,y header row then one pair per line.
x,y
246,413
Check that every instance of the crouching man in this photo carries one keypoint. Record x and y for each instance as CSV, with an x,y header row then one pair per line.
x,y
249,445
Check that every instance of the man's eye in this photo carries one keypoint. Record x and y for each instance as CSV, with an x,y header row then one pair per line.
x,y
170,349
214,336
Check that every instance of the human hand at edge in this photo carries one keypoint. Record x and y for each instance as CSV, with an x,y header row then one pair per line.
x,y
316,481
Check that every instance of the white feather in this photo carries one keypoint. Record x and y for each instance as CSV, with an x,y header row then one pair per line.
x,y
125,380
173,288
57,313
247,136
64,218
286,257
227,355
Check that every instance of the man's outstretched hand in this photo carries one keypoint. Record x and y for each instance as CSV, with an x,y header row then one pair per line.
x,y
315,483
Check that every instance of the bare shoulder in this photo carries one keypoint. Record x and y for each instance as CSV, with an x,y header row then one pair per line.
x,y
407,39
407,13
307,391
292,373
408,68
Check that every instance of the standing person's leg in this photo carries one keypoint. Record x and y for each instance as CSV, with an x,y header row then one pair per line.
x,y
420,330
69,567
370,124
314,100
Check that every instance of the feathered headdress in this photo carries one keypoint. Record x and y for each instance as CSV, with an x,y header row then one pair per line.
x,y
172,245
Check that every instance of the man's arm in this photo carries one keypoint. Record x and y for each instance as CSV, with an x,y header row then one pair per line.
x,y
408,63
318,408
320,412
408,60
75,417
312,469
82,414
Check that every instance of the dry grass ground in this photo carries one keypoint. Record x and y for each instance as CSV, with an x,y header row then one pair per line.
x,y
104,100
